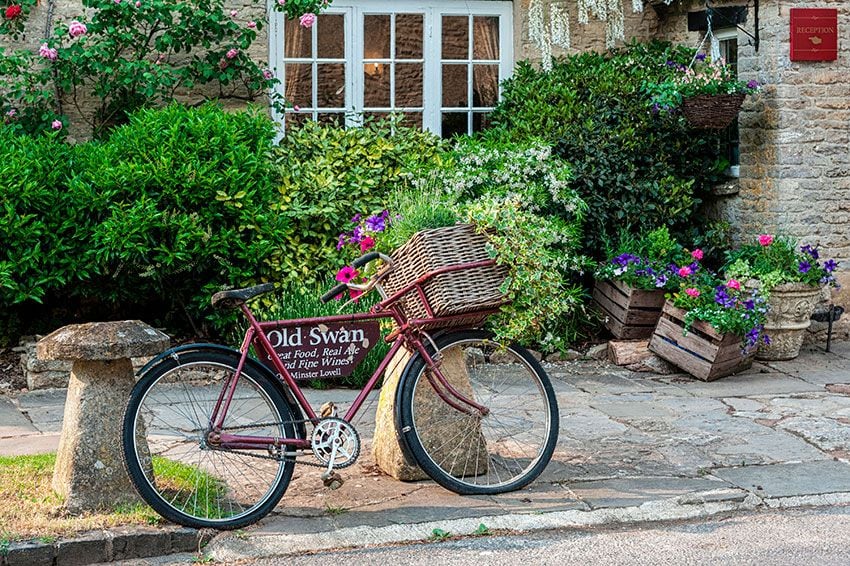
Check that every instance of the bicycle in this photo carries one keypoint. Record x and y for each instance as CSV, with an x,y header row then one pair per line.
x,y
211,434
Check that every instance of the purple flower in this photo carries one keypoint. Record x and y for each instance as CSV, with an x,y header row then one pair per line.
x,y
340,242
753,84
766,339
672,64
356,235
811,251
376,223
661,280
805,266
722,298
750,305
830,265
656,108
700,57
356,218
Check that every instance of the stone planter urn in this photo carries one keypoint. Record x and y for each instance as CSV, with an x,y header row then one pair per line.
x,y
789,314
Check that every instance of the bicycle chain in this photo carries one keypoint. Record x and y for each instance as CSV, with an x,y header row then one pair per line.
x,y
263,456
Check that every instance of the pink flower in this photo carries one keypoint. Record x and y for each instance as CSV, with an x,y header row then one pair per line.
x,y
697,254
48,52
11,113
281,2
56,124
692,292
367,244
252,24
346,274
233,13
307,20
685,271
232,53
138,4
733,284
267,74
76,29
296,108
13,12
765,239
222,64
355,294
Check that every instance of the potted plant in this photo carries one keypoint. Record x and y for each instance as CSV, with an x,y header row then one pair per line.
x,y
630,286
791,278
708,92
710,328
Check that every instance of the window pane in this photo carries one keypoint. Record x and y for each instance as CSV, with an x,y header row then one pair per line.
x,y
376,85
299,84
330,36
408,36
413,119
297,40
376,37
331,85
454,123
336,118
294,119
455,37
408,85
485,38
480,121
485,85
455,86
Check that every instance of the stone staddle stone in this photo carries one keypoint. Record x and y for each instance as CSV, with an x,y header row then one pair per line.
x,y
89,471
386,450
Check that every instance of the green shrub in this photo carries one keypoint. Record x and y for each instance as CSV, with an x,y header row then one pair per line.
x,y
329,173
632,167
148,223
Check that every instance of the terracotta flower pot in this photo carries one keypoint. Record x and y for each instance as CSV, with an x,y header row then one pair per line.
x,y
789,314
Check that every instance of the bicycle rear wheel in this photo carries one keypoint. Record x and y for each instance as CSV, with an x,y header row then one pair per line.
x,y
473,454
167,455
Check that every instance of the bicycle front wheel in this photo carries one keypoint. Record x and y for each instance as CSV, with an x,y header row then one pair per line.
x,y
170,460
472,454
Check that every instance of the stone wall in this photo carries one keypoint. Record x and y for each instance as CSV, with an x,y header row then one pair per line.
x,y
795,158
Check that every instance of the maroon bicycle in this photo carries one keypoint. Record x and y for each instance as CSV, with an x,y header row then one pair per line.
x,y
212,434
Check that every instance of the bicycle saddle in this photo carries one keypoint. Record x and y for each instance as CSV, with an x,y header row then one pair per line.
x,y
236,297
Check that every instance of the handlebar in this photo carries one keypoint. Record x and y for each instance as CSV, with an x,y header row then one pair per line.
x,y
357,263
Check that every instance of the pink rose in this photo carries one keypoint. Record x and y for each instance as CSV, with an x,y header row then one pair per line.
x,y
232,53
732,284
685,271
697,254
281,2
296,108
765,239
138,4
49,53
307,20
267,74
692,292
76,29
233,13
56,125
252,24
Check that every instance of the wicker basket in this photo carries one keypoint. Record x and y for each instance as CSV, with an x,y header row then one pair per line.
x,y
453,293
712,112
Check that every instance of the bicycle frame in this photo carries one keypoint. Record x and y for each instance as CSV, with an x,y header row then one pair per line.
x,y
408,333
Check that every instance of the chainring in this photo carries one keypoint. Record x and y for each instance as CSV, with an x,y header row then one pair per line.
x,y
333,431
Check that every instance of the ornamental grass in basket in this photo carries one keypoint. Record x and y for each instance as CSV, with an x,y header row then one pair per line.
x,y
708,92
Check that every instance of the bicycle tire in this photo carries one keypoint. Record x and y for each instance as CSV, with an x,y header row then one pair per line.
x,y
440,438
174,394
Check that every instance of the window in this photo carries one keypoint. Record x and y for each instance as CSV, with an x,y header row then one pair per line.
x,y
730,143
439,63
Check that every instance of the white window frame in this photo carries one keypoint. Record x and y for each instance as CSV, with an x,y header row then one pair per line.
x,y
433,10
729,34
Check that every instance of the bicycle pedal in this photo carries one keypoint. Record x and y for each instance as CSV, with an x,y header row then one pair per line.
x,y
328,410
333,481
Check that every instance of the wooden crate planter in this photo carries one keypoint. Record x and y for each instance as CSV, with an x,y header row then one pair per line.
x,y
703,352
629,313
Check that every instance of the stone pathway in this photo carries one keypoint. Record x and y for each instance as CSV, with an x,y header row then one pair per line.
x,y
631,445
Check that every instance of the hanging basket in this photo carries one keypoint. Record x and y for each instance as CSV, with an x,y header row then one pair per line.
x,y
712,112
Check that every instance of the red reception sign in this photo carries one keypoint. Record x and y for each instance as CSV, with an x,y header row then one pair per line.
x,y
814,34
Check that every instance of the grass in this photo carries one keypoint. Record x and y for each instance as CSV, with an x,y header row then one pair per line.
x,y
174,478
31,510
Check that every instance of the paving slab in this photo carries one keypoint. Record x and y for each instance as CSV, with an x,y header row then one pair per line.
x,y
42,398
625,492
746,385
790,480
633,410
29,445
607,383
12,422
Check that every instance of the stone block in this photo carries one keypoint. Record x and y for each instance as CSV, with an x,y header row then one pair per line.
x,y
30,554
628,352
47,379
140,543
92,549
598,352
